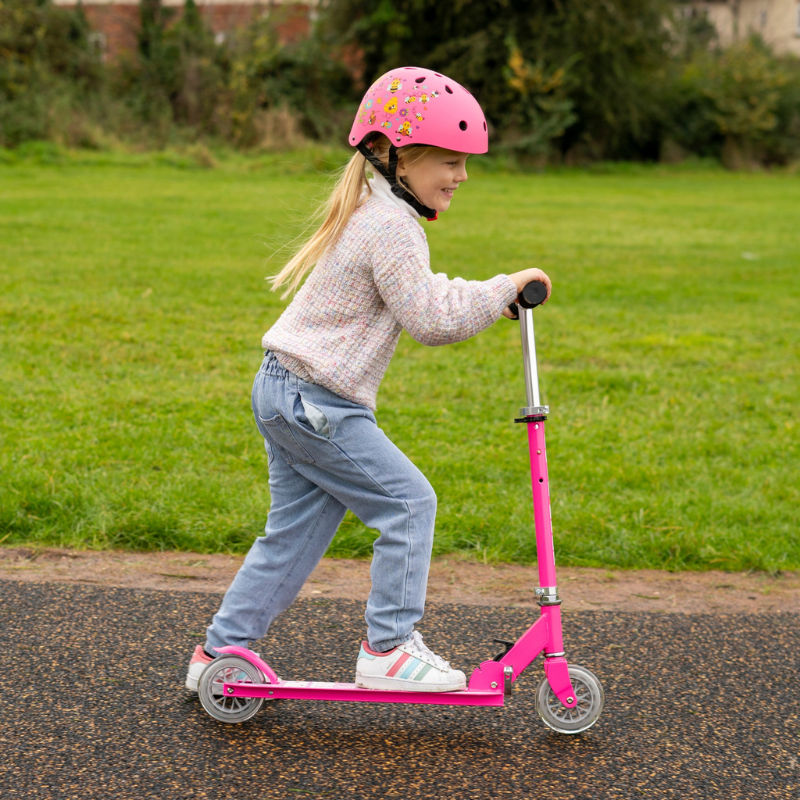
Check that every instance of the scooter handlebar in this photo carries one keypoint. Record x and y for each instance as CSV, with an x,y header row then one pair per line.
x,y
533,294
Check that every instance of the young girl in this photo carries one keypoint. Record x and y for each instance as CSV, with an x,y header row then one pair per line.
x,y
314,397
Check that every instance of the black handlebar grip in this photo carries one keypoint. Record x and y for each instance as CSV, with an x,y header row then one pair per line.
x,y
533,294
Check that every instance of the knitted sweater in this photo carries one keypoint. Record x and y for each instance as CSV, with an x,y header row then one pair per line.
x,y
341,329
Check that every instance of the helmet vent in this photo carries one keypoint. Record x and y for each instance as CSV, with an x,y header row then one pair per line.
x,y
484,126
462,125
420,80
448,90
437,74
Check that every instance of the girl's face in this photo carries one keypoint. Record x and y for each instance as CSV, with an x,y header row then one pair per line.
x,y
435,177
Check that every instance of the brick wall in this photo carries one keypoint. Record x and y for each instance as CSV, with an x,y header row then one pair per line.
x,y
117,23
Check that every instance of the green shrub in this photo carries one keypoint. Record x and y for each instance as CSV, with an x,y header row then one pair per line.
x,y
178,75
48,66
240,90
303,83
570,82
565,77
741,105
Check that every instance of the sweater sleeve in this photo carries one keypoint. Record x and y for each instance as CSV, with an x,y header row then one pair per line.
x,y
432,308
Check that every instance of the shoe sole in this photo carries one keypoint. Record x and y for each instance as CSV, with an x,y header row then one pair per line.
x,y
397,685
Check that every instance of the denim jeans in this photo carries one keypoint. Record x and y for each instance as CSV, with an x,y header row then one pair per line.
x,y
327,454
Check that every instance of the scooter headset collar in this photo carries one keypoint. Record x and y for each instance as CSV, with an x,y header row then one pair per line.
x,y
398,186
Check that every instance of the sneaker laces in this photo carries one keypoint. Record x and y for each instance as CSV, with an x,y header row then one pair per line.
x,y
419,648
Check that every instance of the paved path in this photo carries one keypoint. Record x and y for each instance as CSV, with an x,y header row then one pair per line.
x,y
93,707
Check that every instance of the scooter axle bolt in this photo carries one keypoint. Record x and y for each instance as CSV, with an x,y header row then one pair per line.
x,y
570,699
494,684
230,690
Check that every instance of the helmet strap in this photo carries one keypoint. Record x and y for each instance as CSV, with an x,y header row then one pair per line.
x,y
398,186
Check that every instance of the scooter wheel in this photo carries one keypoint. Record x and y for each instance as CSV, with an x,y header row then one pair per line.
x,y
229,669
579,718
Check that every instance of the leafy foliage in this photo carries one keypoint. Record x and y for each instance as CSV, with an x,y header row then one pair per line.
x,y
46,58
306,78
570,74
744,98
180,65
563,82
183,76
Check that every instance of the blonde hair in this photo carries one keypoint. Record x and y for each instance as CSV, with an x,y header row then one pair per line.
x,y
335,212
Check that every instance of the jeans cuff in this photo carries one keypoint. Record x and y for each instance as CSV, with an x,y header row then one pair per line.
x,y
389,644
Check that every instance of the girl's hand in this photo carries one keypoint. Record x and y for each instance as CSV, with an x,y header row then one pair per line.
x,y
522,279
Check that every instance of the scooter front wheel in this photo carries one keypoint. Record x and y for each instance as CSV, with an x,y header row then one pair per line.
x,y
229,669
589,694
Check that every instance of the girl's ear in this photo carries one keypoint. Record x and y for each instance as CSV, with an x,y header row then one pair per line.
x,y
401,167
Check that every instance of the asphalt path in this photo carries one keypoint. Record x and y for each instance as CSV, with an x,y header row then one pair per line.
x,y
697,706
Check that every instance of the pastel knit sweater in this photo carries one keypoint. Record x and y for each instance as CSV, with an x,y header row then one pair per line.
x,y
341,329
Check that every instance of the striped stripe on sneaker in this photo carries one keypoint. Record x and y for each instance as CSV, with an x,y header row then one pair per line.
x,y
410,666
399,663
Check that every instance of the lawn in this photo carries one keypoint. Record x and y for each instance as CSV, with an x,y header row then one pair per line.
x,y
133,300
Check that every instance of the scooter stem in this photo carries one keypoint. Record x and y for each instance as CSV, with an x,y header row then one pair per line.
x,y
535,415
529,357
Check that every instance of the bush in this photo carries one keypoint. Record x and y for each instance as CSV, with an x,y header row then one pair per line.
x,y
48,68
274,89
741,105
578,81
249,90
560,77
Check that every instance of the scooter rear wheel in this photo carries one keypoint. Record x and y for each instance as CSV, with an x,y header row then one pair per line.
x,y
589,694
229,669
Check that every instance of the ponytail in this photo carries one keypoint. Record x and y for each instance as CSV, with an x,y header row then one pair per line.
x,y
344,200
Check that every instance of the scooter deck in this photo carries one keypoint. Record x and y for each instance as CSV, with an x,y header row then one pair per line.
x,y
350,693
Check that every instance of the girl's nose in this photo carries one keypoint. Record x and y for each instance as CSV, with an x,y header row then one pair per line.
x,y
461,175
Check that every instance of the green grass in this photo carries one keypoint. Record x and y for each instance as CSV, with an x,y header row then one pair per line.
x,y
132,303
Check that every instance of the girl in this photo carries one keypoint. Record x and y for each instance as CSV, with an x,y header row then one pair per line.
x,y
314,397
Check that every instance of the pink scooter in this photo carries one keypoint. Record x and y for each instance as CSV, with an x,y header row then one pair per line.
x,y
569,698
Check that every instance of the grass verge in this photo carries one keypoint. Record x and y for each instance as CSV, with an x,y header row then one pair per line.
x,y
133,302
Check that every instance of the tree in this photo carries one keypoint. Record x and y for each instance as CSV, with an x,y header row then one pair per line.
x,y
583,73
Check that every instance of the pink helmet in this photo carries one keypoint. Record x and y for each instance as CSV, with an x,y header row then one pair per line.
x,y
411,105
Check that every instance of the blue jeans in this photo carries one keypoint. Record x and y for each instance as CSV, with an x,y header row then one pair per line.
x,y
327,454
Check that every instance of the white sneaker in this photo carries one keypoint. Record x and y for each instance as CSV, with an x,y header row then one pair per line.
x,y
196,666
410,667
